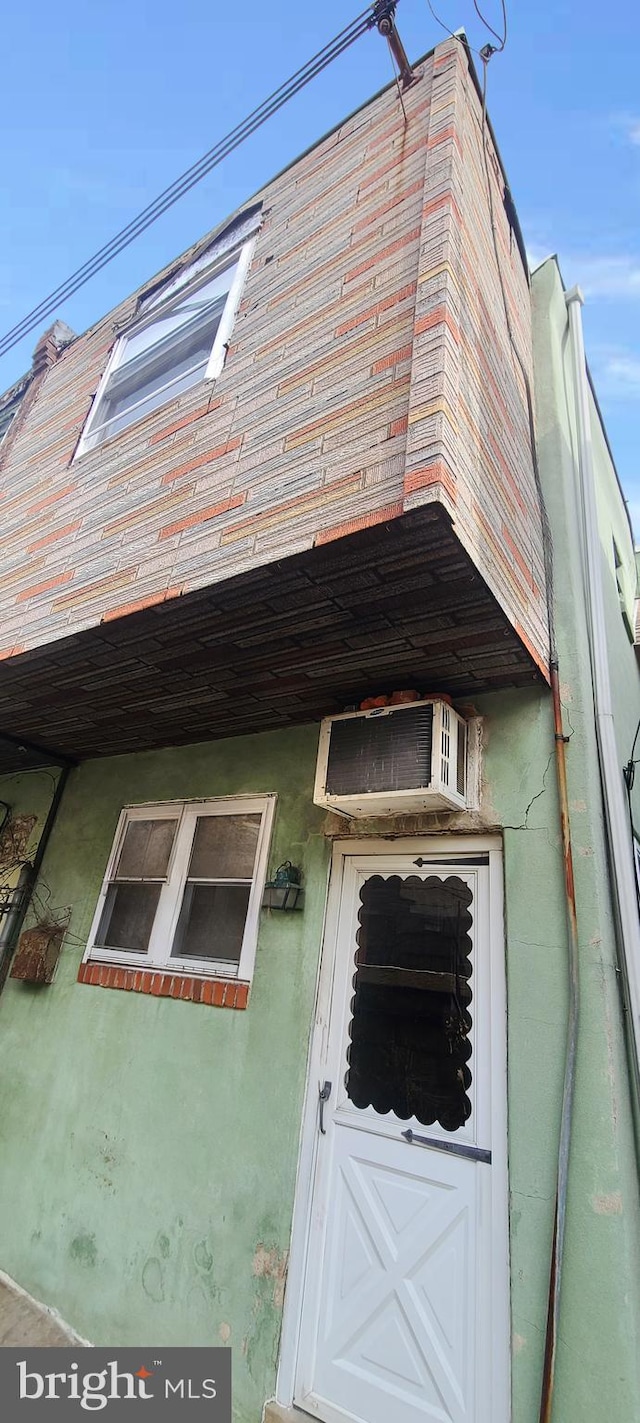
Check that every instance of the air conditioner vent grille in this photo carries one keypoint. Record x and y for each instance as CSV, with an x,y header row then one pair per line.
x,y
461,775
381,753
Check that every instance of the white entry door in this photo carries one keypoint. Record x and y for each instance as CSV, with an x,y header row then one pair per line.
x,y
405,1299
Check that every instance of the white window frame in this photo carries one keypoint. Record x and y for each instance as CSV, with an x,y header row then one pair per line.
x,y
192,280
158,955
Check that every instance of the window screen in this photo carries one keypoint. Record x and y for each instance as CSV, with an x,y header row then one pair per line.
x,y
216,897
134,894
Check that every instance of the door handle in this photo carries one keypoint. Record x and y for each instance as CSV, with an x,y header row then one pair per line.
x,y
323,1096
455,1148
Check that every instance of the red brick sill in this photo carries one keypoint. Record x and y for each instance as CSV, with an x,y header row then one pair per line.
x,y
220,992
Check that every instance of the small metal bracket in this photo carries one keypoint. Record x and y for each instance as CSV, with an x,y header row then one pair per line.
x,y
383,13
454,1148
383,16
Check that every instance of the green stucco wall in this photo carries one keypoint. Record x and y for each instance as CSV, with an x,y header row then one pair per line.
x,y
148,1147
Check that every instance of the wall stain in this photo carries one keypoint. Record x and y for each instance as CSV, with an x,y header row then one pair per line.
x,y
260,1345
608,1204
153,1279
197,1301
202,1256
83,1248
103,1161
271,1264
179,1269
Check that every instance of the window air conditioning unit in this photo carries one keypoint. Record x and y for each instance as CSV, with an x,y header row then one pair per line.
x,y
393,760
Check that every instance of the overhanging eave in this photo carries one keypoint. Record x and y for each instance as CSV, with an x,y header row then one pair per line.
x,y
400,605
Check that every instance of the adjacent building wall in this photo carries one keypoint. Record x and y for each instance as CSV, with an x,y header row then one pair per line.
x,y
599,1329
370,369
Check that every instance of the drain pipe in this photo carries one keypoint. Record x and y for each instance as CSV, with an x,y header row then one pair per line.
x,y
557,1248
27,881
621,859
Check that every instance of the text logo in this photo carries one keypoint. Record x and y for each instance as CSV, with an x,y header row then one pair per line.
x,y
112,1381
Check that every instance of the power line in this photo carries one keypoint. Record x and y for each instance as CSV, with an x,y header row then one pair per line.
x,y
187,180
488,50
502,39
453,34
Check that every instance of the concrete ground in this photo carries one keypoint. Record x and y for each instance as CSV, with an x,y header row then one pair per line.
x,y
26,1324
275,1413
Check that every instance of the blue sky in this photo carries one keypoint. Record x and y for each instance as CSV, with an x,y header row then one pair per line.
x,y
103,105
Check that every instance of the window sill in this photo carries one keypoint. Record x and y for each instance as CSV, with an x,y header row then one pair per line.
x,y
219,992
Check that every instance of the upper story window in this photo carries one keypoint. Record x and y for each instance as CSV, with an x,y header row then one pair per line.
x,y
6,418
183,887
10,405
179,337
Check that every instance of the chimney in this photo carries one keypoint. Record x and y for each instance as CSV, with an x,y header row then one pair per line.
x,y
49,347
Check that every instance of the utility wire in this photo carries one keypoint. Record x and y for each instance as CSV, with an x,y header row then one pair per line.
x,y
502,39
188,179
487,50
452,33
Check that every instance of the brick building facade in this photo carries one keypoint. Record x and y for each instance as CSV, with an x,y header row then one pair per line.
x,y
351,506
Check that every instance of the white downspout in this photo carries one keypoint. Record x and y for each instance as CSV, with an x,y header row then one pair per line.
x,y
620,845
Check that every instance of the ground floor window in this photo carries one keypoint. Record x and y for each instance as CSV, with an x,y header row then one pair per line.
x,y
183,887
